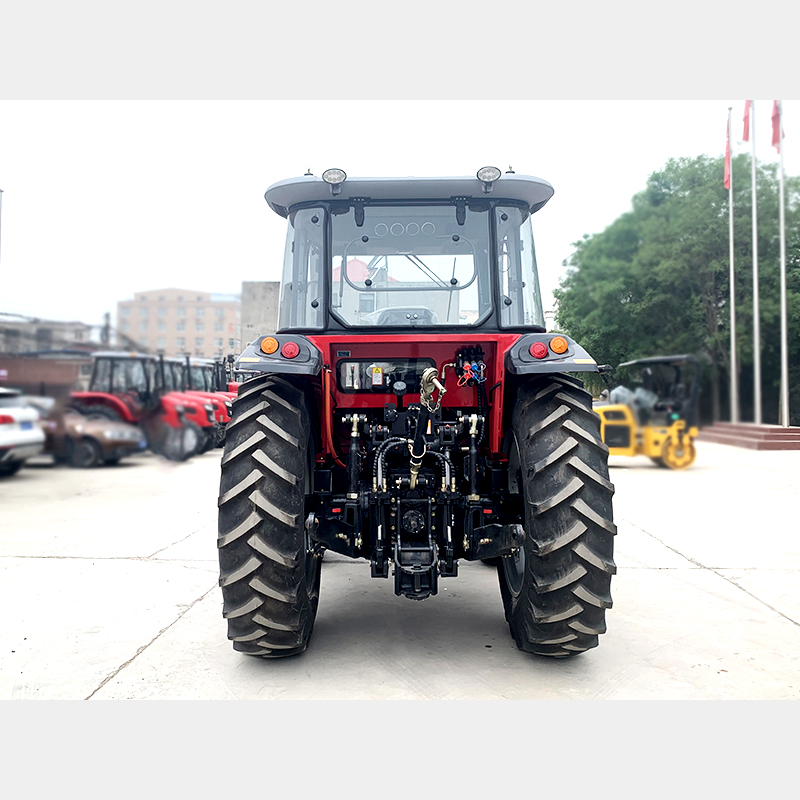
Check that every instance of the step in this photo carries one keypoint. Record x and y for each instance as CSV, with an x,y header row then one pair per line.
x,y
752,443
751,427
754,435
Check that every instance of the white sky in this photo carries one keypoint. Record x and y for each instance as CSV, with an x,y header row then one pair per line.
x,y
113,184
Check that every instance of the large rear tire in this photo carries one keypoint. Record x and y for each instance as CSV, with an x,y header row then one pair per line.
x,y
269,568
556,588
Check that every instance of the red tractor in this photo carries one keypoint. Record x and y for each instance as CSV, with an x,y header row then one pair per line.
x,y
196,377
136,388
413,411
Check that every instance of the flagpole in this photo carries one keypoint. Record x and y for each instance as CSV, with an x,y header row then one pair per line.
x,y
784,330
756,325
734,405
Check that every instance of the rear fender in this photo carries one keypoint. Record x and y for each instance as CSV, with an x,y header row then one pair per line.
x,y
308,360
520,361
102,399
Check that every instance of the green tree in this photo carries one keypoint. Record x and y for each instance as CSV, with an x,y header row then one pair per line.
x,y
656,281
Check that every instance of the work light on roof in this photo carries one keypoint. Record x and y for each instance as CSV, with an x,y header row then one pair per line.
x,y
335,177
487,176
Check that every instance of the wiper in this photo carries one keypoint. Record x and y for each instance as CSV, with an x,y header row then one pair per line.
x,y
426,269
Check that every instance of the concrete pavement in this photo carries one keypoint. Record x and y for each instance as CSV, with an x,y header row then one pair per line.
x,y
108,590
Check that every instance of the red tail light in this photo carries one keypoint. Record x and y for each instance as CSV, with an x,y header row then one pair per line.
x,y
290,350
538,350
6,419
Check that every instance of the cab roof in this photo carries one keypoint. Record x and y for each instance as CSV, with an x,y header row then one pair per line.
x,y
281,196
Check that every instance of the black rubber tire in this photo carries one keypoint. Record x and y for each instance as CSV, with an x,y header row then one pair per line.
x,y
269,569
178,443
556,590
10,468
85,453
208,440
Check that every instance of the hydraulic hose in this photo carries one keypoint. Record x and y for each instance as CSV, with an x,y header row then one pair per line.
x,y
327,422
418,447
377,476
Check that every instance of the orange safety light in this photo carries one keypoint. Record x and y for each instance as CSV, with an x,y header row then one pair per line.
x,y
269,345
558,344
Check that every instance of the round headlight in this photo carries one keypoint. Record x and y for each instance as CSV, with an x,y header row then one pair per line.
x,y
334,176
488,174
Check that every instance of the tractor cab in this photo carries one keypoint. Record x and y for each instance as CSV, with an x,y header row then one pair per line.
x,y
128,383
653,410
400,254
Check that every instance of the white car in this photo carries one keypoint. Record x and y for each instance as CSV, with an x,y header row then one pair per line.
x,y
21,433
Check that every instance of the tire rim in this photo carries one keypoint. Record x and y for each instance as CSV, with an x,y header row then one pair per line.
x,y
84,455
514,565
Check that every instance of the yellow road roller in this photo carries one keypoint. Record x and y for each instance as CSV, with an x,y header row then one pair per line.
x,y
654,413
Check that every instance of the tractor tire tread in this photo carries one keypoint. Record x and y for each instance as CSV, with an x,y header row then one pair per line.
x,y
269,601
559,609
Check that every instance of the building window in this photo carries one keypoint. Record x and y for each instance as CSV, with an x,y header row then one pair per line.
x,y
143,326
143,298
200,311
161,299
125,326
199,298
217,342
181,343
218,312
230,342
162,343
180,298
142,312
180,311
162,312
162,326
181,326
126,311
199,326
217,326
198,342
78,336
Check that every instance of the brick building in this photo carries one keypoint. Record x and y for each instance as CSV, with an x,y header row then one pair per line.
x,y
19,334
177,322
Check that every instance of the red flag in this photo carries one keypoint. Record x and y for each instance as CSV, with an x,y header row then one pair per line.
x,y
728,156
777,129
746,134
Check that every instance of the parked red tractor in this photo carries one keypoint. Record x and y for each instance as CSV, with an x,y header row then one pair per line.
x,y
196,376
413,411
136,388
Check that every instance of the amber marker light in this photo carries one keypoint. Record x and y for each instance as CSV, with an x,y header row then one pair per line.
x,y
558,344
269,345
